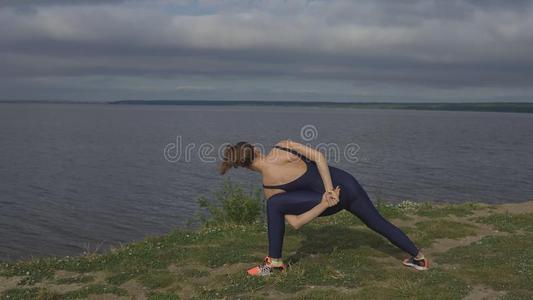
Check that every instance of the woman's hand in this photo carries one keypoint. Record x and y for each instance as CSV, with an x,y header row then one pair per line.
x,y
331,198
335,195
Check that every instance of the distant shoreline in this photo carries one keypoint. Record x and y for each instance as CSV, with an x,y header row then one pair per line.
x,y
513,107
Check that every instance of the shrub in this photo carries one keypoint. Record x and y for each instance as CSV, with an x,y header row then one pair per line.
x,y
232,204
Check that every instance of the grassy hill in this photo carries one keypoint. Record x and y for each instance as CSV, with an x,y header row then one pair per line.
x,y
475,251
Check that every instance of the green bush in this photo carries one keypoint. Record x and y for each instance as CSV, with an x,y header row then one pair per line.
x,y
232,204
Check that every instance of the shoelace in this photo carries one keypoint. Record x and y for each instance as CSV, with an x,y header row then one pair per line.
x,y
264,268
420,262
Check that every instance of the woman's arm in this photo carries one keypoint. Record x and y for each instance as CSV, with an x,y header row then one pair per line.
x,y
314,155
297,221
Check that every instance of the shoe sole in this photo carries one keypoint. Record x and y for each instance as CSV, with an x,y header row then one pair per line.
x,y
419,268
274,270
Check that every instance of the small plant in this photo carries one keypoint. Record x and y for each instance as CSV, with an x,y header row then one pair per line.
x,y
407,205
389,210
233,205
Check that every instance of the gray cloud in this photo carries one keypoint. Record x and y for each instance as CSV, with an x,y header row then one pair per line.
x,y
459,46
54,2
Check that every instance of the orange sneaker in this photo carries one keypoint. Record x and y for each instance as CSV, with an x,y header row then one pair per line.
x,y
266,268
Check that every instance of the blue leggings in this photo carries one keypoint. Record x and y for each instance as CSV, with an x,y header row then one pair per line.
x,y
353,198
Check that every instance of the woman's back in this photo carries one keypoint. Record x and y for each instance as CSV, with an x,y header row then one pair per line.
x,y
285,167
304,176
297,172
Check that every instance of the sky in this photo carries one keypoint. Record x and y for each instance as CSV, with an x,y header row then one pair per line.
x,y
353,50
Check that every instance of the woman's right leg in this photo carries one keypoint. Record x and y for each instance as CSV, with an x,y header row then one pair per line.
x,y
289,203
360,205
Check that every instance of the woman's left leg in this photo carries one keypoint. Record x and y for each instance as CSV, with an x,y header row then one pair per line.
x,y
294,202
289,203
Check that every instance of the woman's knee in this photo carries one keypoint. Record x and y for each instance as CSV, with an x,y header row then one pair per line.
x,y
294,202
277,203
274,204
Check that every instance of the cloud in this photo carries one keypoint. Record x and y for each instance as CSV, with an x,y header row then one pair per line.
x,y
405,44
193,88
54,2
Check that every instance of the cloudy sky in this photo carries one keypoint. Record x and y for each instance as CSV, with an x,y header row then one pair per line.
x,y
365,50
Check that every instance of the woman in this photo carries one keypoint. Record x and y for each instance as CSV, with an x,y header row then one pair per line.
x,y
298,184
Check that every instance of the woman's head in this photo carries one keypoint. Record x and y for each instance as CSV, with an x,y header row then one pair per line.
x,y
241,154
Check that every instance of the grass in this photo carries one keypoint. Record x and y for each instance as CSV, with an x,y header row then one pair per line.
x,y
30,294
195,273
158,279
437,284
163,296
75,279
501,262
390,211
94,289
509,222
427,232
458,210
334,257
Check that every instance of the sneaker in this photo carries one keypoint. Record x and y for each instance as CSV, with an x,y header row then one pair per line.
x,y
419,264
266,268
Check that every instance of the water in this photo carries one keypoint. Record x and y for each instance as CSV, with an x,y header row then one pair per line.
x,y
77,177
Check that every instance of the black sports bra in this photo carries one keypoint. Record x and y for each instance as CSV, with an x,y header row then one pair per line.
x,y
301,156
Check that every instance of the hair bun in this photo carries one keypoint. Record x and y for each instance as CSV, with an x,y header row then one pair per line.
x,y
238,155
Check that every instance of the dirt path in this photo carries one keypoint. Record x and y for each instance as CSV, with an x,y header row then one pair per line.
x,y
516,208
481,292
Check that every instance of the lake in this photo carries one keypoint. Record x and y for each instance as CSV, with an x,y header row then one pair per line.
x,y
84,177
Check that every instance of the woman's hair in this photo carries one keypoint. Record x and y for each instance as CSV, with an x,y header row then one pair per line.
x,y
238,155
